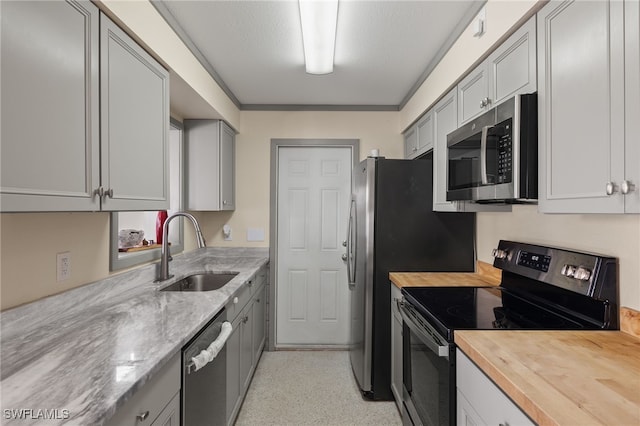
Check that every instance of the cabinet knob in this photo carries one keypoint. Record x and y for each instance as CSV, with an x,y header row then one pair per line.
x,y
611,188
109,193
235,300
626,187
415,149
143,416
224,202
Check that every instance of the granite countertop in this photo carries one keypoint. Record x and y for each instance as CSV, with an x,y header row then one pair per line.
x,y
562,377
88,350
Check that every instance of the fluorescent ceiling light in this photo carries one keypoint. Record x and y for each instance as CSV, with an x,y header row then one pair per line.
x,y
319,19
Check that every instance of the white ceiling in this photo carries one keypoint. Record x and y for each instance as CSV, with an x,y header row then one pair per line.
x,y
384,49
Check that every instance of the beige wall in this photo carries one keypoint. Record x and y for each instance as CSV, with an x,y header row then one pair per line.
x,y
29,243
253,150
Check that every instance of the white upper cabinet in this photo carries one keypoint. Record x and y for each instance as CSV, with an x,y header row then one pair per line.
x,y
589,160
69,110
134,91
50,123
210,153
419,138
509,70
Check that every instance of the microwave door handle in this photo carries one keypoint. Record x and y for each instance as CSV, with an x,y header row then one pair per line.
x,y
483,155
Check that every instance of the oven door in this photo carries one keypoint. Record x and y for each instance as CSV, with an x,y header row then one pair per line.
x,y
428,372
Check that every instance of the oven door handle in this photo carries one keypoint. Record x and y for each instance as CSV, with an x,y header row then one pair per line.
x,y
483,155
425,336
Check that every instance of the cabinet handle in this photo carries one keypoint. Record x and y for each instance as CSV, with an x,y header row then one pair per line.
x,y
143,416
627,187
98,192
250,283
611,188
245,319
415,149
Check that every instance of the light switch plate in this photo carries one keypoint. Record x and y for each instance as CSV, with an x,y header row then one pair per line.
x,y
255,234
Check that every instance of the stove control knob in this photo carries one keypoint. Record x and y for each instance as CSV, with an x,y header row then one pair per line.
x,y
568,270
582,274
500,254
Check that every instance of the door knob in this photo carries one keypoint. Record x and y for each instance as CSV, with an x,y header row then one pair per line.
x,y
344,256
344,243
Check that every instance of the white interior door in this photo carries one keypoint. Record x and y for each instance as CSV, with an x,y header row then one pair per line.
x,y
312,295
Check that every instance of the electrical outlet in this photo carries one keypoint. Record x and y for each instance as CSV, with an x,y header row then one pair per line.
x,y
63,263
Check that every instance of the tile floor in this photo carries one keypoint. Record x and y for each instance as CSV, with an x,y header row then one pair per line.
x,y
310,388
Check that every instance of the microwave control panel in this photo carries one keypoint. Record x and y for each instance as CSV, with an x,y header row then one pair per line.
x,y
505,155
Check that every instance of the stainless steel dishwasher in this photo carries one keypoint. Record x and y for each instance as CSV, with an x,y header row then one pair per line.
x,y
204,390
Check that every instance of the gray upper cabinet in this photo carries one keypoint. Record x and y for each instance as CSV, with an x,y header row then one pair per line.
x,y
632,106
445,119
582,107
50,122
512,66
509,70
134,91
210,153
411,142
473,94
419,138
70,109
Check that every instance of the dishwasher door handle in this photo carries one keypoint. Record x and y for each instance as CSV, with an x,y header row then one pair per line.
x,y
207,355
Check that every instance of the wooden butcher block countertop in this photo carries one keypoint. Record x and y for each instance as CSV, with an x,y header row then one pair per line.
x,y
562,377
486,275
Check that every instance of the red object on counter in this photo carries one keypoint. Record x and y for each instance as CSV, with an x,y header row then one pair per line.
x,y
160,220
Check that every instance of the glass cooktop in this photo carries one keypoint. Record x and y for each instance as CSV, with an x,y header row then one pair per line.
x,y
483,308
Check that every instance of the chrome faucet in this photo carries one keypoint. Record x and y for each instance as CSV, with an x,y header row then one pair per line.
x,y
165,256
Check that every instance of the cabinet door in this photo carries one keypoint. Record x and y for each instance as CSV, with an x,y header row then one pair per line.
x,y
170,416
227,167
134,91
233,371
581,106
512,66
483,402
445,120
473,94
396,347
632,104
425,133
246,347
259,323
50,93
411,143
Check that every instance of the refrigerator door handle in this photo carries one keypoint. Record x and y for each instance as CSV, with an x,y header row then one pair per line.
x,y
351,271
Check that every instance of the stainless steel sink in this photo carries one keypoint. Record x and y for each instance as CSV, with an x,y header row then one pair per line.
x,y
202,282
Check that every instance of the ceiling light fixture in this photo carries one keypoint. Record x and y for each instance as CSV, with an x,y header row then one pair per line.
x,y
319,19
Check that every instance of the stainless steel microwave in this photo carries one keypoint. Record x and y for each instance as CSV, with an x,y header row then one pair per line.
x,y
494,158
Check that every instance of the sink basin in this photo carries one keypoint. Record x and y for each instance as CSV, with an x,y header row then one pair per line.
x,y
202,282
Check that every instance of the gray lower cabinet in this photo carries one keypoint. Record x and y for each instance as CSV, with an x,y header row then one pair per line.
x,y
480,401
589,156
246,343
507,71
210,154
85,113
396,347
157,402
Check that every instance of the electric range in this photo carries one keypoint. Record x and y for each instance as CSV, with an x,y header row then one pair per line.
x,y
542,288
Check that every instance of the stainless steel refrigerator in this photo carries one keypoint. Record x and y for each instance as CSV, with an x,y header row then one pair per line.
x,y
392,227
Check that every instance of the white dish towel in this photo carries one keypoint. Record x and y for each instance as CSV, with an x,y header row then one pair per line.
x,y
207,355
